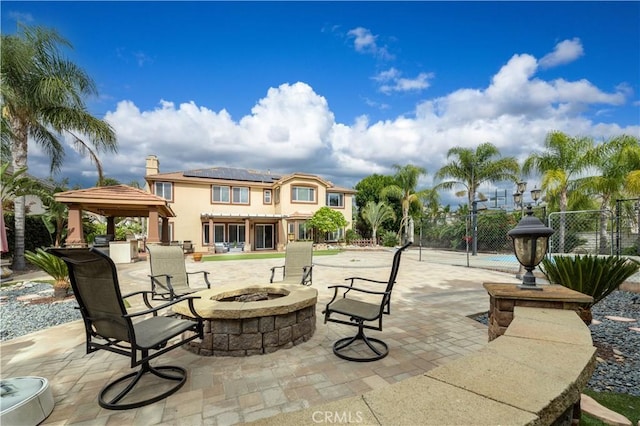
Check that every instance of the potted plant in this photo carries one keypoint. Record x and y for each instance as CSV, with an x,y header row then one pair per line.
x,y
596,276
53,266
197,257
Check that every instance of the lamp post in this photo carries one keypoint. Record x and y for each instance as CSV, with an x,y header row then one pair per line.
x,y
530,238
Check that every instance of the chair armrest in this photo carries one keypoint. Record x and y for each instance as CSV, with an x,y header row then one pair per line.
x,y
273,272
307,277
361,290
365,279
166,285
205,276
348,289
155,310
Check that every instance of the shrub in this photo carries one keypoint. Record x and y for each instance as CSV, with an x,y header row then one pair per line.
x,y
596,276
53,266
389,239
351,235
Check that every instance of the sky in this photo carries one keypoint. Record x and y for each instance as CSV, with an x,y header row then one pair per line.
x,y
341,89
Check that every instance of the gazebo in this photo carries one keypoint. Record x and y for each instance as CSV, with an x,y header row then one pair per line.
x,y
116,201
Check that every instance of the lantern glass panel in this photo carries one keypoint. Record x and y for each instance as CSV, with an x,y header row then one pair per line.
x,y
530,250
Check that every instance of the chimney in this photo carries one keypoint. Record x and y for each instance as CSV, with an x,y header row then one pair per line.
x,y
153,165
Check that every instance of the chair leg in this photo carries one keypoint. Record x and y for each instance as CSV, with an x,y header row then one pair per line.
x,y
112,403
347,341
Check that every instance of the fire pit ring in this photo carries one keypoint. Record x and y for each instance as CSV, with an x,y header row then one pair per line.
x,y
243,328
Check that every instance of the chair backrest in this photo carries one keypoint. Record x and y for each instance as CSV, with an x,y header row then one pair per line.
x,y
395,266
94,280
298,255
169,260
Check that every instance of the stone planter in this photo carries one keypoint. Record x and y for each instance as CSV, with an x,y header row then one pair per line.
x,y
5,267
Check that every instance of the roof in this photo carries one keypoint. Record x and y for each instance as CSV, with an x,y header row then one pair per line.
x,y
116,200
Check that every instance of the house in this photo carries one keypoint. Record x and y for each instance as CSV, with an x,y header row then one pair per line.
x,y
254,209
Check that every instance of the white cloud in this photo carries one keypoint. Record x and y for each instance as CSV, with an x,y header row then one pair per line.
x,y
292,129
566,51
391,81
365,42
22,17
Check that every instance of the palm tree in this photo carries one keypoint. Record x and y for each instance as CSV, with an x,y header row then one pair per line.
x,y
470,169
615,161
560,164
404,189
42,97
375,214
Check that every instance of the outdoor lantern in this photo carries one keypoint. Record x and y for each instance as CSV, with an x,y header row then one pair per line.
x,y
522,186
535,194
530,239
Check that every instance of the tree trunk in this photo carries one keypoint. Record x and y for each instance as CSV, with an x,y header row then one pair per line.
x,y
19,157
563,221
604,246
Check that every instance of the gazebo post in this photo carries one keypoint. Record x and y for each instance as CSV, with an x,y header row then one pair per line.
x,y
153,235
75,236
111,225
165,231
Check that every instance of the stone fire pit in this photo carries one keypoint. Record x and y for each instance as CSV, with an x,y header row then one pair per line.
x,y
238,323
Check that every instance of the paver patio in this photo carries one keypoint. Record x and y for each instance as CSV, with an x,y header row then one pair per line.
x,y
428,326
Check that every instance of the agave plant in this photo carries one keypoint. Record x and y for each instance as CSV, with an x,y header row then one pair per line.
x,y
53,266
596,276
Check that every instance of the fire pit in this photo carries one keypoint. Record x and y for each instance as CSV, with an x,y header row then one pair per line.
x,y
243,320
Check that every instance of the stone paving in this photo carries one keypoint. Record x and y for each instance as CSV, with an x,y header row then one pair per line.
x,y
428,327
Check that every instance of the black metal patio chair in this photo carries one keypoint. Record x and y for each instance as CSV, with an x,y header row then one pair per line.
x,y
141,336
169,276
298,264
367,306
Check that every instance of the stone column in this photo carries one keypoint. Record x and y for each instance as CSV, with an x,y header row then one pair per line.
x,y
75,236
504,297
153,236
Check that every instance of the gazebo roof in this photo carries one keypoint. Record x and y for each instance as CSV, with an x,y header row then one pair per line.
x,y
116,200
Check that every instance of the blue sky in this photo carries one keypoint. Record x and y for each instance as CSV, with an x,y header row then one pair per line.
x,y
342,89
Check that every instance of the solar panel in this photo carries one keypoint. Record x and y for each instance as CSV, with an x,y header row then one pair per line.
x,y
229,173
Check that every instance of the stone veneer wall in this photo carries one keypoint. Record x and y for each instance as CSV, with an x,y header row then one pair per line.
x,y
255,336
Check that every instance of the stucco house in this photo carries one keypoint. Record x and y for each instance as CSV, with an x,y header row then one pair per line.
x,y
255,209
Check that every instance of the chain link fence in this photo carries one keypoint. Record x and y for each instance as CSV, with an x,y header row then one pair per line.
x,y
595,232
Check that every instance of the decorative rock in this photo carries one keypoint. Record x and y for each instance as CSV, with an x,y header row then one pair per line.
x,y
619,319
595,322
635,329
591,407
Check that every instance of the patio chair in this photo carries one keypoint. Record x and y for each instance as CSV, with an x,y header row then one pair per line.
x,y
187,247
141,336
298,266
169,276
360,312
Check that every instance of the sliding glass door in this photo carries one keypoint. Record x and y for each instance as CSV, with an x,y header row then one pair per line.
x,y
264,237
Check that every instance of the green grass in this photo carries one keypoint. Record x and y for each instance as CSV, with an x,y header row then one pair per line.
x,y
621,403
250,256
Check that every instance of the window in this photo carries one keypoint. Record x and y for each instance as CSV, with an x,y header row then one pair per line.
x,y
277,195
304,233
266,196
335,236
164,190
218,233
303,194
220,194
236,233
240,195
335,199
205,234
